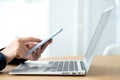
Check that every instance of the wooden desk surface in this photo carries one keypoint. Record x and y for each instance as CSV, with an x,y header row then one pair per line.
x,y
103,68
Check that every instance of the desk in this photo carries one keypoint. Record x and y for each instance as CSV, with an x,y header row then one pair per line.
x,y
103,68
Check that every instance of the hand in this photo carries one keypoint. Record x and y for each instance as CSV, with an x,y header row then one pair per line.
x,y
19,47
36,54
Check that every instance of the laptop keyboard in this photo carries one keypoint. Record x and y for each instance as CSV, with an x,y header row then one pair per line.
x,y
62,66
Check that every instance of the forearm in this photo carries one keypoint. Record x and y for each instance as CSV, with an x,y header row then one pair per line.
x,y
3,60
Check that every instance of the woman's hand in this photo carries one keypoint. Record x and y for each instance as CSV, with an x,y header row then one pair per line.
x,y
20,46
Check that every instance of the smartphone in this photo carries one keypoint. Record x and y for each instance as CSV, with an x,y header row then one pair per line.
x,y
43,42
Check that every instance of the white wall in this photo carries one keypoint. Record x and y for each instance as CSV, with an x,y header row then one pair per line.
x,y
117,10
62,15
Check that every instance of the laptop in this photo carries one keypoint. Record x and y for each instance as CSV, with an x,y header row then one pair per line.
x,y
66,67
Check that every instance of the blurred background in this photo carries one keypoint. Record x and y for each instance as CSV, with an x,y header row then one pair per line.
x,y
39,18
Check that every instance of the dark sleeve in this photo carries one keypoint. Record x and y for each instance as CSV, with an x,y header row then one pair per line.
x,y
2,61
16,61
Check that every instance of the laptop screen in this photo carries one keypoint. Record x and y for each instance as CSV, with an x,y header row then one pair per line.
x,y
90,53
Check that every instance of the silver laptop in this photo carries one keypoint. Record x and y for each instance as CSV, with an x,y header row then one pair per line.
x,y
66,67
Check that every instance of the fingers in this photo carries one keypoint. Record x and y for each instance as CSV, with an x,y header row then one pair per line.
x,y
26,44
31,44
34,56
30,39
37,53
45,45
